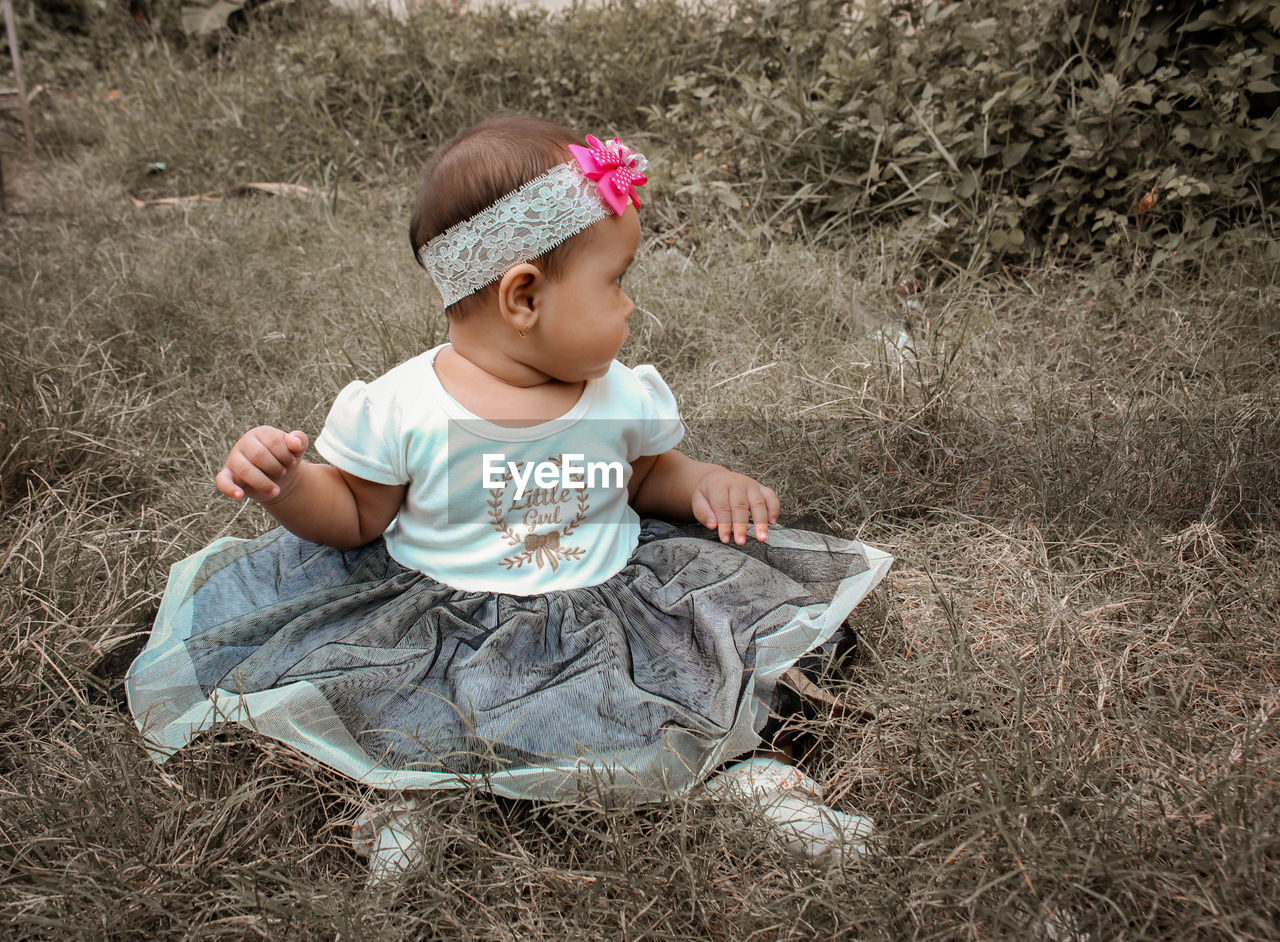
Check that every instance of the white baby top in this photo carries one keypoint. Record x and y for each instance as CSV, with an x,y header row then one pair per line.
x,y
497,509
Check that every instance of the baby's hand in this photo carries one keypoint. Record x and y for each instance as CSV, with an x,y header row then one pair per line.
x,y
262,464
724,500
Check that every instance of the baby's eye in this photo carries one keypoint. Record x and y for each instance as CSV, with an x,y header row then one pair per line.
x,y
618,281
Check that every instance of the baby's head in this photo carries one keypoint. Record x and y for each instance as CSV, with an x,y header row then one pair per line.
x,y
469,196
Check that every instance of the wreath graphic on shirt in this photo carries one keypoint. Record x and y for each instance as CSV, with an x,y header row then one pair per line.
x,y
537,549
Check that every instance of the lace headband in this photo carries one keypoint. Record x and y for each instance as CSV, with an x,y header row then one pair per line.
x,y
534,219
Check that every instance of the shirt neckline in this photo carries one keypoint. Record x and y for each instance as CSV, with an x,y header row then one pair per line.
x,y
483,428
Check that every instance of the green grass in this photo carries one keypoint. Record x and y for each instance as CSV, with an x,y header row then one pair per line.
x,y
1063,712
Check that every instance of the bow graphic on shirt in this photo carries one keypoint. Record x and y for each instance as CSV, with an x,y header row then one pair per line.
x,y
544,546
537,548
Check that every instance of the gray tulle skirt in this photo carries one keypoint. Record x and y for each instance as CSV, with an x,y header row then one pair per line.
x,y
644,683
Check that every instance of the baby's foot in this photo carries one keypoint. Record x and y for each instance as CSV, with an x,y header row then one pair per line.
x,y
390,840
793,801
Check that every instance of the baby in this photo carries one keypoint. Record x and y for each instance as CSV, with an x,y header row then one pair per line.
x,y
505,572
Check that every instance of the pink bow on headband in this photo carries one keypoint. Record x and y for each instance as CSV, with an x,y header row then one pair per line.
x,y
615,169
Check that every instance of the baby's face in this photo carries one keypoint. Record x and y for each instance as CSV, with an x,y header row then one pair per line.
x,y
583,322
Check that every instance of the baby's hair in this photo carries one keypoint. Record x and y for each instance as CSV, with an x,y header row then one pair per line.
x,y
476,169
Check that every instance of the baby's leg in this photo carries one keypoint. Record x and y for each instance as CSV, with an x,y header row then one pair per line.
x,y
784,794
800,696
388,837
792,801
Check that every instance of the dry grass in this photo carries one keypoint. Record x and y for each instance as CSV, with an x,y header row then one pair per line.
x,y
1063,708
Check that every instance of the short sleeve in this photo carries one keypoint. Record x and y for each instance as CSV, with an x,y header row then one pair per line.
x,y
359,436
660,428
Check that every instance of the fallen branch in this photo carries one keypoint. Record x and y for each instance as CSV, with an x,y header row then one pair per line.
x,y
213,196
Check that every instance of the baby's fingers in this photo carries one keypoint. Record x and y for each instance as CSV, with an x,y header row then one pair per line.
x,y
772,502
760,512
246,477
702,511
296,442
271,450
227,484
740,504
711,506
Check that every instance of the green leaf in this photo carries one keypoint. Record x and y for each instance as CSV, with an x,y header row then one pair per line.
x,y
202,20
1014,153
977,36
1206,20
936,194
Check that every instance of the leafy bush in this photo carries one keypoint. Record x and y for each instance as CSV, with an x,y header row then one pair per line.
x,y
995,131
997,124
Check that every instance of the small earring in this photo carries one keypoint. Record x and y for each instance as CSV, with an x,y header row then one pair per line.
x,y
520,332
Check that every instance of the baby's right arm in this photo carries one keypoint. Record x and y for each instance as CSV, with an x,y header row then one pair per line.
x,y
317,502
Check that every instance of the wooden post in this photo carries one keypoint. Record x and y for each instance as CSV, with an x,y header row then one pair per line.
x,y
12,30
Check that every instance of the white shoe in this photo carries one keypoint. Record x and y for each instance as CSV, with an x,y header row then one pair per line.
x,y
389,839
822,834
793,801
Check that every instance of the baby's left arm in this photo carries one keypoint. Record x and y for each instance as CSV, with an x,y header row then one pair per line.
x,y
674,486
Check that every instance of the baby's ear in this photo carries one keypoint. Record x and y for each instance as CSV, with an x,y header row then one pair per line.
x,y
518,292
